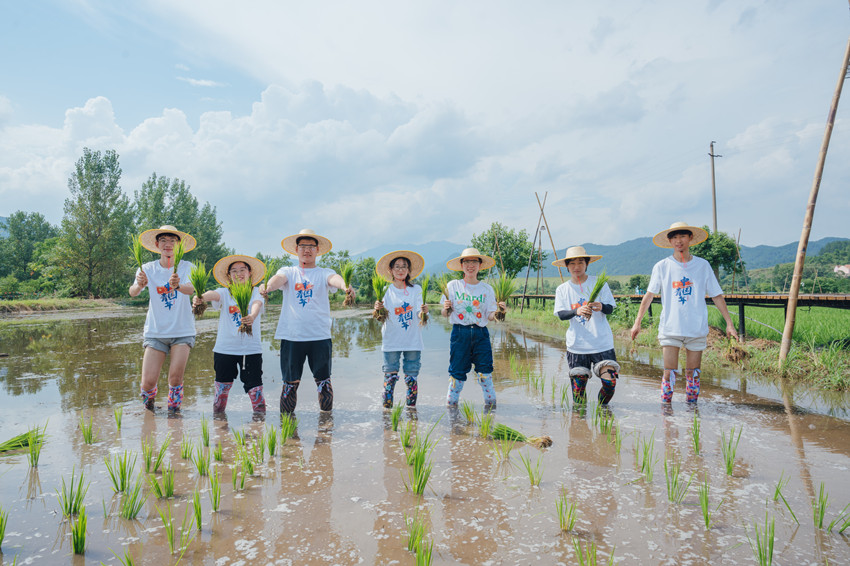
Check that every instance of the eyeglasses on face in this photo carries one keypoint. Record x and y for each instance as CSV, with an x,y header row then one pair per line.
x,y
239,271
469,261
400,267
307,246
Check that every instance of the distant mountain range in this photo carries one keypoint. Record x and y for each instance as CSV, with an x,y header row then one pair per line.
x,y
628,258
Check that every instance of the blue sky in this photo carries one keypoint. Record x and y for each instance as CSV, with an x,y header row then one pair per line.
x,y
383,122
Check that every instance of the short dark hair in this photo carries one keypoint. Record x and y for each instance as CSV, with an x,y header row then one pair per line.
x,y
248,265
298,240
572,259
158,236
679,233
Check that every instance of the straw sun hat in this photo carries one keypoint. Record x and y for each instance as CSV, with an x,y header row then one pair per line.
x,y
573,253
662,241
486,261
417,264
290,242
148,238
222,268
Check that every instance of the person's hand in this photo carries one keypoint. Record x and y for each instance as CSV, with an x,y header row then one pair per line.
x,y
197,301
447,304
730,331
503,307
351,292
174,281
424,307
584,311
596,306
248,320
262,289
378,305
141,279
635,330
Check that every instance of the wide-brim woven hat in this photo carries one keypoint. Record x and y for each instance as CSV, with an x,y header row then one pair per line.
x,y
148,238
222,268
486,261
661,240
290,243
416,262
576,252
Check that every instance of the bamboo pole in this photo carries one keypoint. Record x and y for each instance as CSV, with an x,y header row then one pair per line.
x,y
554,251
531,255
790,318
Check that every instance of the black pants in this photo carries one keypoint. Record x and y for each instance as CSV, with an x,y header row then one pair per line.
x,y
227,366
317,353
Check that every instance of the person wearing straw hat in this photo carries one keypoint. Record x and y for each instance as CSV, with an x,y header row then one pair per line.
x,y
471,304
237,353
169,325
683,281
401,333
590,342
304,327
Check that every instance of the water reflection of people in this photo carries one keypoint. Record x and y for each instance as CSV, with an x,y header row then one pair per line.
x,y
169,326
590,342
471,304
401,332
304,327
237,353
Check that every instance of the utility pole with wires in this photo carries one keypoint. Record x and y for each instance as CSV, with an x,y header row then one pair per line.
x,y
713,188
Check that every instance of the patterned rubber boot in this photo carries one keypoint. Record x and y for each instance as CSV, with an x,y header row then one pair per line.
x,y
485,380
175,398
389,389
326,395
579,383
453,396
412,390
258,400
289,397
668,383
608,386
222,390
692,385
148,398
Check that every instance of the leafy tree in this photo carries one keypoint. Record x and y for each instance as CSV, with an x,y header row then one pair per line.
x,y
509,248
334,260
834,253
45,267
96,227
614,285
721,251
25,231
283,260
638,282
364,269
163,201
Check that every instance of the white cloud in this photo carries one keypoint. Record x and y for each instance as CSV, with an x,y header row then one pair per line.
x,y
201,82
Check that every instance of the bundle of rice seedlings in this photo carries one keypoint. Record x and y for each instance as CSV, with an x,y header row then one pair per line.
x,y
347,272
423,316
138,251
504,287
443,284
379,286
597,288
501,431
241,293
178,255
20,441
199,277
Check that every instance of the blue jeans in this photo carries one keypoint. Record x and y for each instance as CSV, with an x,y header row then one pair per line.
x,y
469,345
411,366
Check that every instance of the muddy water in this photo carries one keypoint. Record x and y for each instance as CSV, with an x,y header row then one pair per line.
x,y
336,494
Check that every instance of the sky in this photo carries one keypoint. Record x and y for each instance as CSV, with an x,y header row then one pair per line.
x,y
378,122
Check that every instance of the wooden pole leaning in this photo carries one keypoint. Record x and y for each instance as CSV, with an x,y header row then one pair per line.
x,y
545,223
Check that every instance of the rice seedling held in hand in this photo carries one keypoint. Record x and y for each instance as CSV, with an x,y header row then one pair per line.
x,y
676,487
503,431
118,413
597,287
567,514
534,471
78,532
272,265
71,496
379,286
120,469
503,288
199,277
425,283
347,273
89,436
241,292
416,530
138,250
762,543
133,501
179,251
160,456
443,284
215,490
729,447
467,409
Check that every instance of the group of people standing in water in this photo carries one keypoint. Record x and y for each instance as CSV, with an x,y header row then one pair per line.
x,y
304,326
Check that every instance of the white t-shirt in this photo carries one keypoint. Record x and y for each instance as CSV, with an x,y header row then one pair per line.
x,y
169,311
229,339
471,304
683,288
401,330
306,311
585,336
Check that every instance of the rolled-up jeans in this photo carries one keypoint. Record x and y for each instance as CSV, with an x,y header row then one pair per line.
x,y
411,364
468,346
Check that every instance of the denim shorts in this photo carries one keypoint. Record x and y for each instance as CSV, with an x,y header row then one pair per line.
x,y
412,362
164,344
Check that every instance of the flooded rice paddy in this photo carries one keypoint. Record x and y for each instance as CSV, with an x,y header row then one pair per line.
x,y
338,493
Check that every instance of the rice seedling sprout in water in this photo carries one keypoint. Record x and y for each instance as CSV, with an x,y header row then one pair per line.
x,y
425,283
201,459
396,415
17,442
347,273
502,448
405,433
467,409
695,425
234,476
288,427
147,453
424,552
379,286
271,440
503,431
241,292
89,436
196,507
762,543
168,525
205,431
168,481
819,506
534,471
729,447
587,554
239,435
419,473
503,288
841,522
71,495
567,513
120,469
707,512
677,488
35,442
777,494
78,532
4,519
485,424
646,455
126,560
218,452
215,490
118,413
416,530
160,455
186,448
199,277
133,501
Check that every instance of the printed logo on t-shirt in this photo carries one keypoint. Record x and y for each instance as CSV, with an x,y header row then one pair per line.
x,y
304,292
404,314
576,306
166,295
683,289
235,315
472,306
